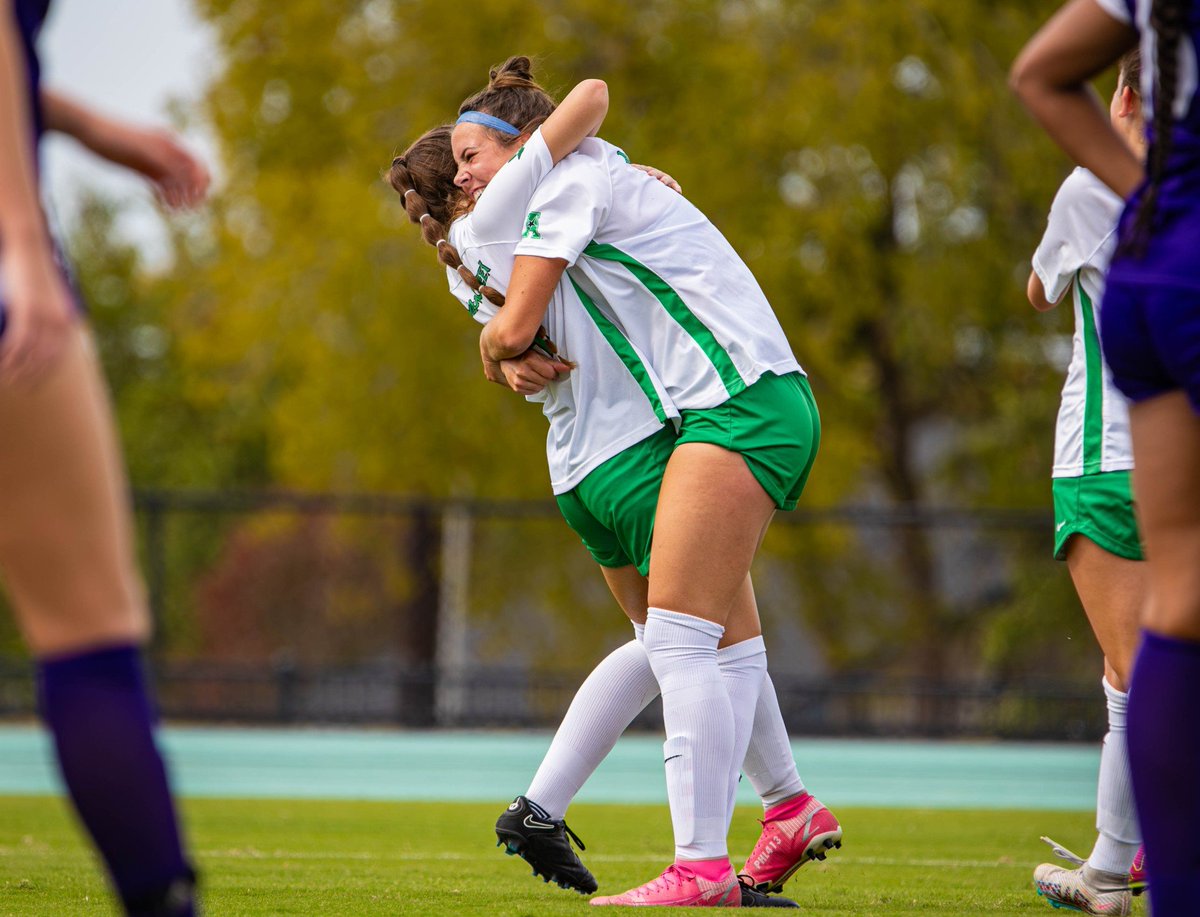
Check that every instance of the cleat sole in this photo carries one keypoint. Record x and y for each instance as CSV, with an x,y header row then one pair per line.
x,y
818,851
1058,905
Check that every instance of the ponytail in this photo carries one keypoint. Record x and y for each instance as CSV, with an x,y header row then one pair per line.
x,y
1167,19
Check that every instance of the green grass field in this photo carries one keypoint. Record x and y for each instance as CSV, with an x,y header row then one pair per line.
x,y
263,857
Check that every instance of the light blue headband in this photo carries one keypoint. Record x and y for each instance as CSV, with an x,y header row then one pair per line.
x,y
478,117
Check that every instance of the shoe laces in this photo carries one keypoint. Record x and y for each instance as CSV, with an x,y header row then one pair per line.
x,y
670,876
1063,853
573,835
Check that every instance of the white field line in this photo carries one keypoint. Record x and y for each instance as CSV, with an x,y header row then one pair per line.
x,y
251,853
450,856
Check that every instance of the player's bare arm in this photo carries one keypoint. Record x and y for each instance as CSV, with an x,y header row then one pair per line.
x,y
1036,292
514,328
1051,77
179,178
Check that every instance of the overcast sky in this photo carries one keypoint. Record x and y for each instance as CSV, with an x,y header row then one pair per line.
x,y
126,57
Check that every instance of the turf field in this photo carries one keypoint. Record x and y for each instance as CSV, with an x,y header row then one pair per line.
x,y
268,857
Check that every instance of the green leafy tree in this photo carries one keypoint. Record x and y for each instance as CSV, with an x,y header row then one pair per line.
x,y
866,159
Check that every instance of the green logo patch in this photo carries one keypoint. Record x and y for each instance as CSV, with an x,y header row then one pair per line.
x,y
482,273
532,231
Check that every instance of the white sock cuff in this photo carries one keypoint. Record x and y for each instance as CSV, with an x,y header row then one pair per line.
x,y
1121,697
702,625
752,647
1118,704
639,631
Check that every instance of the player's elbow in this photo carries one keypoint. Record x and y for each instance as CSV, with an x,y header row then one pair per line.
x,y
1036,294
1024,79
597,92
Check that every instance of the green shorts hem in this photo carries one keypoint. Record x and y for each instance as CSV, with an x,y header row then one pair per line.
x,y
1111,545
1100,508
773,425
612,509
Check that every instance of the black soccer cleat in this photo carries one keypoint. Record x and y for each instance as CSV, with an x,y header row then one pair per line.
x,y
752,897
527,830
177,899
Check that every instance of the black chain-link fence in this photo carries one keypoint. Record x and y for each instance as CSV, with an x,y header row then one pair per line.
x,y
286,608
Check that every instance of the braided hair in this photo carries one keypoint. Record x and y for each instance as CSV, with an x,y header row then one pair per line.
x,y
423,176
1167,19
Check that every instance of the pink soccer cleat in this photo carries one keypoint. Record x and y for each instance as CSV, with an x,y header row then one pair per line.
x,y
794,832
1138,880
679,886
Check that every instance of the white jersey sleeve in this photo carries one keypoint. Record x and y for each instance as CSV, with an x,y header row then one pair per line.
x,y
1120,10
566,209
500,210
477,307
1080,224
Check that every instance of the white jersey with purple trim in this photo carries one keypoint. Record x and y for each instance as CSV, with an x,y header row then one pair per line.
x,y
611,400
1092,432
644,260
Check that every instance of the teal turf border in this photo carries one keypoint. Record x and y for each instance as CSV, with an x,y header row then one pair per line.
x,y
495,766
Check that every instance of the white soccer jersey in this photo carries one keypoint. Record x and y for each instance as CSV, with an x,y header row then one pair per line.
x,y
611,400
1092,433
645,261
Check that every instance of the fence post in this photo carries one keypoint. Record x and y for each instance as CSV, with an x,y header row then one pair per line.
x,y
453,654
156,564
419,621
287,680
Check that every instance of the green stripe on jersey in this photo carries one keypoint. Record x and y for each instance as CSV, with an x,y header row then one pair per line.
x,y
678,310
1093,398
624,351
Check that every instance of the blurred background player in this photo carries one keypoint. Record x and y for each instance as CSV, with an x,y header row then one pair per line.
x,y
66,549
1150,329
1095,529
622,491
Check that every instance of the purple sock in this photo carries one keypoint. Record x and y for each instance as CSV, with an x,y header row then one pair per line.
x,y
1164,755
97,706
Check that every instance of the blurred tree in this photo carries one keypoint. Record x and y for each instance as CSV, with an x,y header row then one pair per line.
x,y
865,158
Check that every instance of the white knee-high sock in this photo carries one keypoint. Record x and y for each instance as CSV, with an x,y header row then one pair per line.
x,y
743,666
616,691
769,765
698,753
1116,818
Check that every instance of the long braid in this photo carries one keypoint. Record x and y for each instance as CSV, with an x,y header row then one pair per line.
x,y
1167,19
425,172
432,229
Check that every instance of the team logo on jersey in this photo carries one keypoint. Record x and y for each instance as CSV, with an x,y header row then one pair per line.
x,y
482,273
531,226
623,155
517,155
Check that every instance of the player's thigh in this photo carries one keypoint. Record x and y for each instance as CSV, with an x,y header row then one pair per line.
x,y
628,587
743,621
66,551
1166,481
711,513
1113,592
